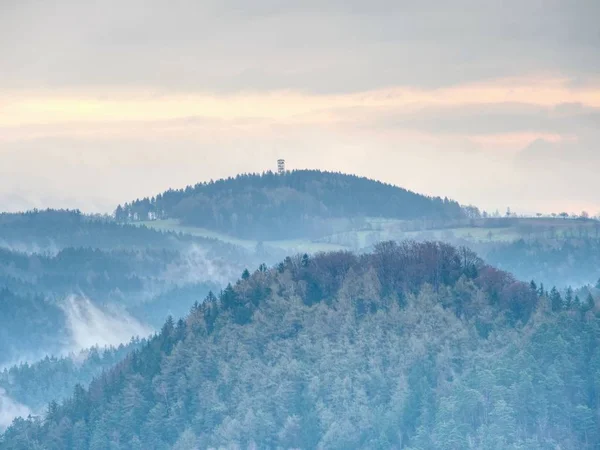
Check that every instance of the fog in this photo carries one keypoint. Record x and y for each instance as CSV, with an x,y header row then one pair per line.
x,y
89,325
9,410
194,266
31,248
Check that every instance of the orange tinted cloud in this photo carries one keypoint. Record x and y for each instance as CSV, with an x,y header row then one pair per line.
x,y
280,106
515,141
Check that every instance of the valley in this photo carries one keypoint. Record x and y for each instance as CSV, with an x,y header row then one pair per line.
x,y
162,321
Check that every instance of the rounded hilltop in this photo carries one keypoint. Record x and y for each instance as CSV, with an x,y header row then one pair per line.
x,y
288,204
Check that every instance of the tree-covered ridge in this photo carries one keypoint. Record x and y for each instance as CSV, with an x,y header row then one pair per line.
x,y
418,346
126,274
49,257
51,230
29,323
297,203
35,385
146,284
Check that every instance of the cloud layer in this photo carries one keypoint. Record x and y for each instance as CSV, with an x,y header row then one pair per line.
x,y
268,44
104,102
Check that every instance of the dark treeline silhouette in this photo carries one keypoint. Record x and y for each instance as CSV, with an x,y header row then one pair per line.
x,y
93,271
415,345
51,230
300,203
28,324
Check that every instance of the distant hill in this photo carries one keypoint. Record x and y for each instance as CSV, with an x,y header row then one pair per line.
x,y
47,257
414,346
562,261
144,285
34,385
300,203
50,230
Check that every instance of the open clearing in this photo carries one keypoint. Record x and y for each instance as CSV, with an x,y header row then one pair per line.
x,y
380,229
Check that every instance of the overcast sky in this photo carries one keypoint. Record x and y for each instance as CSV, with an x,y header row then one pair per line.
x,y
494,103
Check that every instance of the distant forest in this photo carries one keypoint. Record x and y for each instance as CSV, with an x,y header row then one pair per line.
x,y
48,231
561,261
300,203
52,378
48,256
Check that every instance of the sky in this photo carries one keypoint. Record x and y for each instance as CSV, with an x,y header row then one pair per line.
x,y
494,103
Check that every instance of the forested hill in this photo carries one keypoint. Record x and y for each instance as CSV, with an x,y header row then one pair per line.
x,y
50,230
62,270
415,346
294,204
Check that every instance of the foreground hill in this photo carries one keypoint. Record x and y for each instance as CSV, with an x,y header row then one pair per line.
x,y
418,346
296,204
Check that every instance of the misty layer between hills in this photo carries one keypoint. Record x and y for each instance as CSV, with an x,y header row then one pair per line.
x,y
89,325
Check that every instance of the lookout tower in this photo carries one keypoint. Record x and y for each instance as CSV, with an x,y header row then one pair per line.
x,y
281,166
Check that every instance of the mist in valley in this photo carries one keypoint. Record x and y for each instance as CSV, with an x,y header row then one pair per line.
x,y
9,409
89,325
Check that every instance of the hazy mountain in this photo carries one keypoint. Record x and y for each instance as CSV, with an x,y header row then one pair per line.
x,y
418,346
301,203
69,281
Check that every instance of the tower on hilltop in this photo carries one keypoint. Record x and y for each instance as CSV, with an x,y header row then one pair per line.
x,y
281,166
